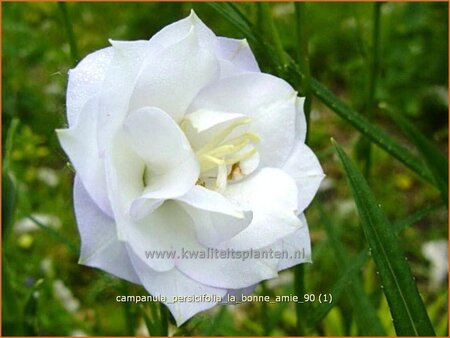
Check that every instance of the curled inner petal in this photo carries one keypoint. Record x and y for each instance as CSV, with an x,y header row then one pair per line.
x,y
220,151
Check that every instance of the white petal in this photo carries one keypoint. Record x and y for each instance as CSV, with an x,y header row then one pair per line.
x,y
272,196
178,30
205,124
80,144
124,172
212,228
170,230
250,164
173,283
203,119
85,81
267,100
171,166
297,246
209,200
237,57
164,232
128,59
175,77
227,268
304,167
100,247
300,120
238,293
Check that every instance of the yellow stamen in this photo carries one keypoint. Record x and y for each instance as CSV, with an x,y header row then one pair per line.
x,y
242,157
222,135
220,151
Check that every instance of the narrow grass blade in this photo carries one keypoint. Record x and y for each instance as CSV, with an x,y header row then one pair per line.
x,y
349,273
30,316
235,17
157,322
55,234
9,191
415,217
375,134
433,158
69,31
129,310
301,23
363,147
337,290
299,287
364,312
408,312
211,327
266,15
164,319
150,322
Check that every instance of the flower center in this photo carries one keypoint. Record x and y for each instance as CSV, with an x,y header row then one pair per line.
x,y
221,152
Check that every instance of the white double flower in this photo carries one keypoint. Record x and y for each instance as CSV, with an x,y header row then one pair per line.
x,y
181,143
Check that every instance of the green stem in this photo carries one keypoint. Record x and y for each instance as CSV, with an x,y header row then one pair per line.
x,y
373,72
266,17
265,312
305,88
56,235
129,311
69,31
164,315
299,287
303,58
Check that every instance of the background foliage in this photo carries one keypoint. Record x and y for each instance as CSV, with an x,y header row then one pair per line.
x,y
398,84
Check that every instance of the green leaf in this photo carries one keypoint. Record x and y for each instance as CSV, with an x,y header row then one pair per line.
x,y
267,21
408,312
156,323
31,324
434,159
303,58
211,327
164,319
415,217
230,12
346,277
364,312
69,31
152,327
373,133
301,310
129,310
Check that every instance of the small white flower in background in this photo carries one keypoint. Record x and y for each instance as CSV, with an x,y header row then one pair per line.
x,y
78,333
26,225
48,176
181,143
437,253
65,296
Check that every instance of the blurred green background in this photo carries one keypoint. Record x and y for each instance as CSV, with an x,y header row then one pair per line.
x,y
45,291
